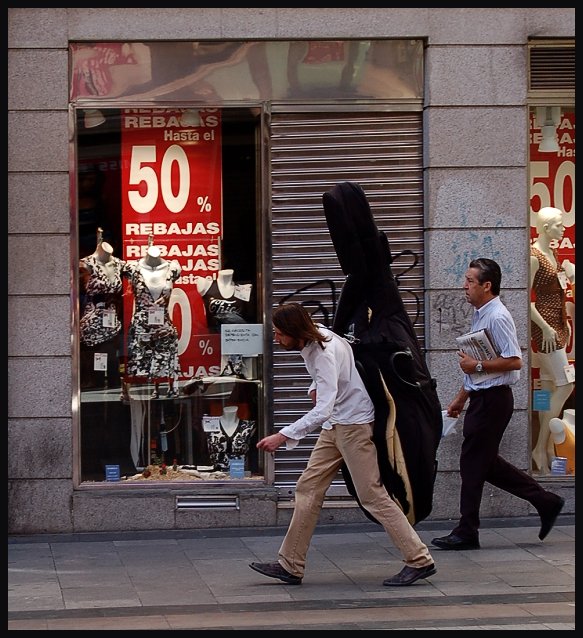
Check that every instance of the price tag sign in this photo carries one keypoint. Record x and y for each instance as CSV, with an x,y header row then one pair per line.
x,y
570,373
211,424
541,400
100,361
155,316
108,319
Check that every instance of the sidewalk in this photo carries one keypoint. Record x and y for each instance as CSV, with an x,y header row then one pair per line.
x,y
200,579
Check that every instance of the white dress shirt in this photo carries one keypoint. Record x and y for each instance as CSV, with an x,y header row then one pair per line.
x,y
497,320
341,397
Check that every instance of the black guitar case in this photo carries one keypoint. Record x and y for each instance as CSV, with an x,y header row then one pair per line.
x,y
370,313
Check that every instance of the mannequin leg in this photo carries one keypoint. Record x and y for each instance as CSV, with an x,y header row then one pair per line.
x,y
171,391
125,391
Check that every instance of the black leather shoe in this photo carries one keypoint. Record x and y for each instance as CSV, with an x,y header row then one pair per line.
x,y
547,522
408,575
451,541
275,570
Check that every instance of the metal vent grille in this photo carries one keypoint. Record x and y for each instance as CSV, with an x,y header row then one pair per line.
x,y
310,153
552,68
206,502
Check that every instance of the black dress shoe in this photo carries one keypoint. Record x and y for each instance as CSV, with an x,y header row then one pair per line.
x,y
408,575
451,541
547,522
275,570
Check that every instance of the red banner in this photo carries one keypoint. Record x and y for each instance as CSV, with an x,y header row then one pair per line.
x,y
172,190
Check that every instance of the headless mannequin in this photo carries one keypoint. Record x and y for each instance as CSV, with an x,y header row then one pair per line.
x,y
224,280
155,277
103,252
152,337
152,271
101,286
104,256
552,356
225,283
233,439
229,420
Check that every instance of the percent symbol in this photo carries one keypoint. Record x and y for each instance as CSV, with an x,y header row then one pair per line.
x,y
205,346
205,205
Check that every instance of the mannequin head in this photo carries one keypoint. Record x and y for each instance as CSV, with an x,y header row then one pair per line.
x,y
549,220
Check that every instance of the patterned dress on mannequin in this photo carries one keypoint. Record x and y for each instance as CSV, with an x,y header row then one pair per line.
x,y
220,310
550,299
152,349
223,447
102,295
100,324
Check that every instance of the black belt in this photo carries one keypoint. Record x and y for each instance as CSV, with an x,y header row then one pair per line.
x,y
494,387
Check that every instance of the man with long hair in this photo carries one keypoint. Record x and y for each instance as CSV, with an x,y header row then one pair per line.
x,y
345,413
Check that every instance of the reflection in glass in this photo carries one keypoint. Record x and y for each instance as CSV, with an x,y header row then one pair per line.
x,y
267,71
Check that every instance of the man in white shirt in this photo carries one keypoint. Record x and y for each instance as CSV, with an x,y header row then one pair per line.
x,y
345,412
491,405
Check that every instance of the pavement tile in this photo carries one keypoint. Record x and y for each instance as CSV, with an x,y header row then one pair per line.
x,y
125,581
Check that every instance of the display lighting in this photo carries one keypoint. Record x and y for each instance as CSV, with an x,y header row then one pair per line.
x,y
93,118
548,118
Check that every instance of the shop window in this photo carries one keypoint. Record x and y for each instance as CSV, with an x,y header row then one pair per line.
x,y
169,332
552,286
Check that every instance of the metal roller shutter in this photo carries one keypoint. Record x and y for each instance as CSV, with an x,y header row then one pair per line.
x,y
310,153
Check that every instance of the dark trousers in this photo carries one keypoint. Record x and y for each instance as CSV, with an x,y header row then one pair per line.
x,y
487,417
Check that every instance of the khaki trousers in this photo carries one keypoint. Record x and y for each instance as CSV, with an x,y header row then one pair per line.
x,y
354,445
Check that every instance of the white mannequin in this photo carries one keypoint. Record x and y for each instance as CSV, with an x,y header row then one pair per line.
x,y
560,426
103,255
152,258
551,359
226,283
154,270
569,419
563,437
100,279
224,280
103,252
204,283
229,420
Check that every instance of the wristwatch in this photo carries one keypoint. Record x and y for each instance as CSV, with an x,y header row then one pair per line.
x,y
479,367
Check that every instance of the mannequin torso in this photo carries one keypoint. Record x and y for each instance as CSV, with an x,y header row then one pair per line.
x,y
101,284
154,271
225,283
229,420
152,338
105,260
223,302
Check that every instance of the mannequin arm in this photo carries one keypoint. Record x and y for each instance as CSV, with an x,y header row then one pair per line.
x,y
569,269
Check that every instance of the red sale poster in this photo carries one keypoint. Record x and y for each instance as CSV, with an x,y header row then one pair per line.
x,y
172,199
